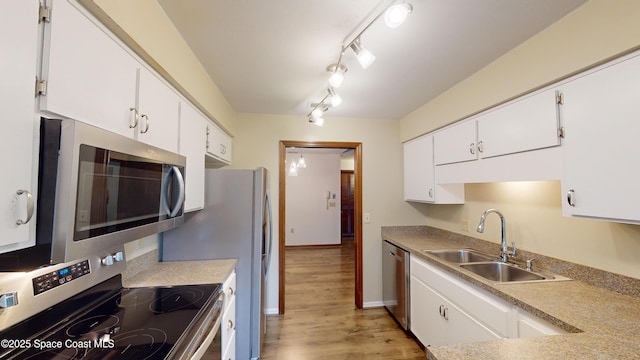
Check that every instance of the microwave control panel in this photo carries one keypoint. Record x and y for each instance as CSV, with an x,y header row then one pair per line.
x,y
59,277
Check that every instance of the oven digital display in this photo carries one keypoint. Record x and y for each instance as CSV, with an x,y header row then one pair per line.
x,y
59,277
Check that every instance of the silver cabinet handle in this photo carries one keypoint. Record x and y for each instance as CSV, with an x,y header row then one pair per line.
x,y
480,146
571,198
146,120
230,291
446,313
431,193
472,148
230,325
223,149
135,118
29,207
441,310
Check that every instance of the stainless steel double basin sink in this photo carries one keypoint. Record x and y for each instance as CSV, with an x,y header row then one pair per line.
x,y
490,268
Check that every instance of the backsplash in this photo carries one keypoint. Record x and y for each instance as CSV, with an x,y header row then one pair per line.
x,y
596,277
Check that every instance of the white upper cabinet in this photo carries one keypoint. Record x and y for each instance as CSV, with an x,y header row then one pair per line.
x,y
528,123
89,76
193,127
157,112
457,143
419,182
18,41
420,175
218,146
601,116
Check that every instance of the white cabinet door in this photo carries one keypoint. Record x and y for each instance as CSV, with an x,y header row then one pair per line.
x,y
19,44
89,76
436,321
218,144
427,323
531,326
158,110
419,170
192,144
602,122
455,144
529,123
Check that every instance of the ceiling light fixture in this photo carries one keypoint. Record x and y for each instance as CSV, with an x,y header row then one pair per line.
x,y
301,163
395,13
337,74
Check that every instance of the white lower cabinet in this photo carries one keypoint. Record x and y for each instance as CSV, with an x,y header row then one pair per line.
x,y
531,326
228,324
439,322
447,310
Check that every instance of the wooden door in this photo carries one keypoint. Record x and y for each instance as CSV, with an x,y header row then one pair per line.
x,y
347,206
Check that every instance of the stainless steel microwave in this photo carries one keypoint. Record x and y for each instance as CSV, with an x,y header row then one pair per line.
x,y
111,189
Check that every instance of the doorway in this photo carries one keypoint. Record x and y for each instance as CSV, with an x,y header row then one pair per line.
x,y
357,211
347,205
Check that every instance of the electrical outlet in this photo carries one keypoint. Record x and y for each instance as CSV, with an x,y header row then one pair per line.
x,y
465,224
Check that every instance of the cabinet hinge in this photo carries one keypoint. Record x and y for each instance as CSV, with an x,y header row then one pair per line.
x,y
561,132
560,99
41,87
44,14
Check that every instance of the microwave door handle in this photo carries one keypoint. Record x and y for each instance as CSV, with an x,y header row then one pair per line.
x,y
180,179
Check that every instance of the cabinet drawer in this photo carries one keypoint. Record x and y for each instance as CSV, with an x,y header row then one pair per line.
x,y
485,307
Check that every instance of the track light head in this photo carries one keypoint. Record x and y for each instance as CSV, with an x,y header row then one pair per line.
x,y
334,98
365,57
397,14
337,74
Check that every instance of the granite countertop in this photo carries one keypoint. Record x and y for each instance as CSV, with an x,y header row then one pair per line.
x,y
601,323
147,271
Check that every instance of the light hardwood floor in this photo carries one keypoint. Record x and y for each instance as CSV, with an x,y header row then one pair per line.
x,y
321,321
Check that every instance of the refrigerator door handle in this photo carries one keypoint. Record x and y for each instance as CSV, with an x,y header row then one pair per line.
x,y
270,238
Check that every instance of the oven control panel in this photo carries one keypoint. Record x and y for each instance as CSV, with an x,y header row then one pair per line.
x,y
59,277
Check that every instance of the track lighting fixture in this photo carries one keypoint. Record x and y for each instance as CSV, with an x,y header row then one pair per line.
x,y
337,74
365,57
395,13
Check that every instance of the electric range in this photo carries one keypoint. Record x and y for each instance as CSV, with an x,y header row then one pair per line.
x,y
106,320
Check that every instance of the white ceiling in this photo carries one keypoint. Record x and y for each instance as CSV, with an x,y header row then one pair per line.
x,y
271,56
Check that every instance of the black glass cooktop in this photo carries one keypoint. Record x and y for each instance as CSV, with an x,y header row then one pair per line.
x,y
114,323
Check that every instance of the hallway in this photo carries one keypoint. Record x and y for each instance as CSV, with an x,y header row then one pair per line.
x,y
321,321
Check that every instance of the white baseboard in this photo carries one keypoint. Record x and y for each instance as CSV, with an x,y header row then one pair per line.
x,y
372,304
272,311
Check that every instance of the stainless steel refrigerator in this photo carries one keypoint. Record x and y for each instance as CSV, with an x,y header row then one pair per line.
x,y
235,223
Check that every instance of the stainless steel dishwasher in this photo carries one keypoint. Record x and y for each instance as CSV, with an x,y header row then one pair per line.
x,y
395,282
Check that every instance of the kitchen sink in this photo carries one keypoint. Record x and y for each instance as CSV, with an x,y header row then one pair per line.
x,y
460,255
503,272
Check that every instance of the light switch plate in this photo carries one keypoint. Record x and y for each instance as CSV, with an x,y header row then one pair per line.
x,y
366,218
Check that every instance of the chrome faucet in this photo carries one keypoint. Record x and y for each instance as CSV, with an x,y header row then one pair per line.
x,y
504,251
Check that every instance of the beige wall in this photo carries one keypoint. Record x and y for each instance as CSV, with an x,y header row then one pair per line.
x,y
597,31
257,144
594,32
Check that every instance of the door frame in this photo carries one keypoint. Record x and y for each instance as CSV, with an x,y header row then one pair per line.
x,y
357,155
